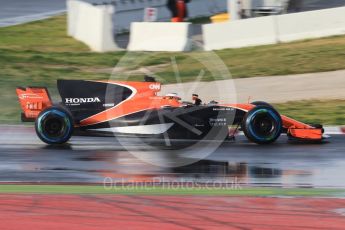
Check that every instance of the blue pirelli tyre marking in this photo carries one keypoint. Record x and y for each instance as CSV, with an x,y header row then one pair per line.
x,y
67,124
271,113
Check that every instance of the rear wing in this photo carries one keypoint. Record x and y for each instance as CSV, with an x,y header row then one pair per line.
x,y
32,101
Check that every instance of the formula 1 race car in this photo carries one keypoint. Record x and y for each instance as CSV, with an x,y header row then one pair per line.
x,y
134,108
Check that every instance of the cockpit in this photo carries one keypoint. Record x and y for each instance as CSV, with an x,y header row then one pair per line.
x,y
172,96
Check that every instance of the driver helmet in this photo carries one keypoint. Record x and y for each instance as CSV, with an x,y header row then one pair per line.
x,y
172,96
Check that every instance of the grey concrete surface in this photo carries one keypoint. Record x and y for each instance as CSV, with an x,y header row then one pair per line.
x,y
306,5
21,11
326,85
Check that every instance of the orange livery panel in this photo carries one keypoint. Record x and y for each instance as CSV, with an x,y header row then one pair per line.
x,y
32,101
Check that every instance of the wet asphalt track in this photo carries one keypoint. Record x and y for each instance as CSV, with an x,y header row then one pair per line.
x,y
20,11
24,158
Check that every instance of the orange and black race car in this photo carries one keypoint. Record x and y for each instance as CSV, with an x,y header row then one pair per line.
x,y
134,108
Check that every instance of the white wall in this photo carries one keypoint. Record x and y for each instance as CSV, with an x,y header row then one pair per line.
x,y
159,36
312,24
274,29
240,33
91,25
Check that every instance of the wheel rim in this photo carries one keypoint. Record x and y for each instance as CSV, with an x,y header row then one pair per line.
x,y
264,125
54,126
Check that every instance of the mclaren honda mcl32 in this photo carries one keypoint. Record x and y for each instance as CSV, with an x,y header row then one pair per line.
x,y
134,108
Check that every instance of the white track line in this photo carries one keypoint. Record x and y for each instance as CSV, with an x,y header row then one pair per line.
x,y
28,18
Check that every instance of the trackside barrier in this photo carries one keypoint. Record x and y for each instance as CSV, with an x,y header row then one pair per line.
x,y
159,36
240,33
91,24
274,29
313,24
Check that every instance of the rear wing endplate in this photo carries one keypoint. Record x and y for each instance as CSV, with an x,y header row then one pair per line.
x,y
32,101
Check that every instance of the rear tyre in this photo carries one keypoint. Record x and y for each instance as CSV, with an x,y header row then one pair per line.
x,y
262,125
54,125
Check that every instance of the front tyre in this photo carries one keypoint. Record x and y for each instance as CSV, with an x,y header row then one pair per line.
x,y
54,125
262,125
261,103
